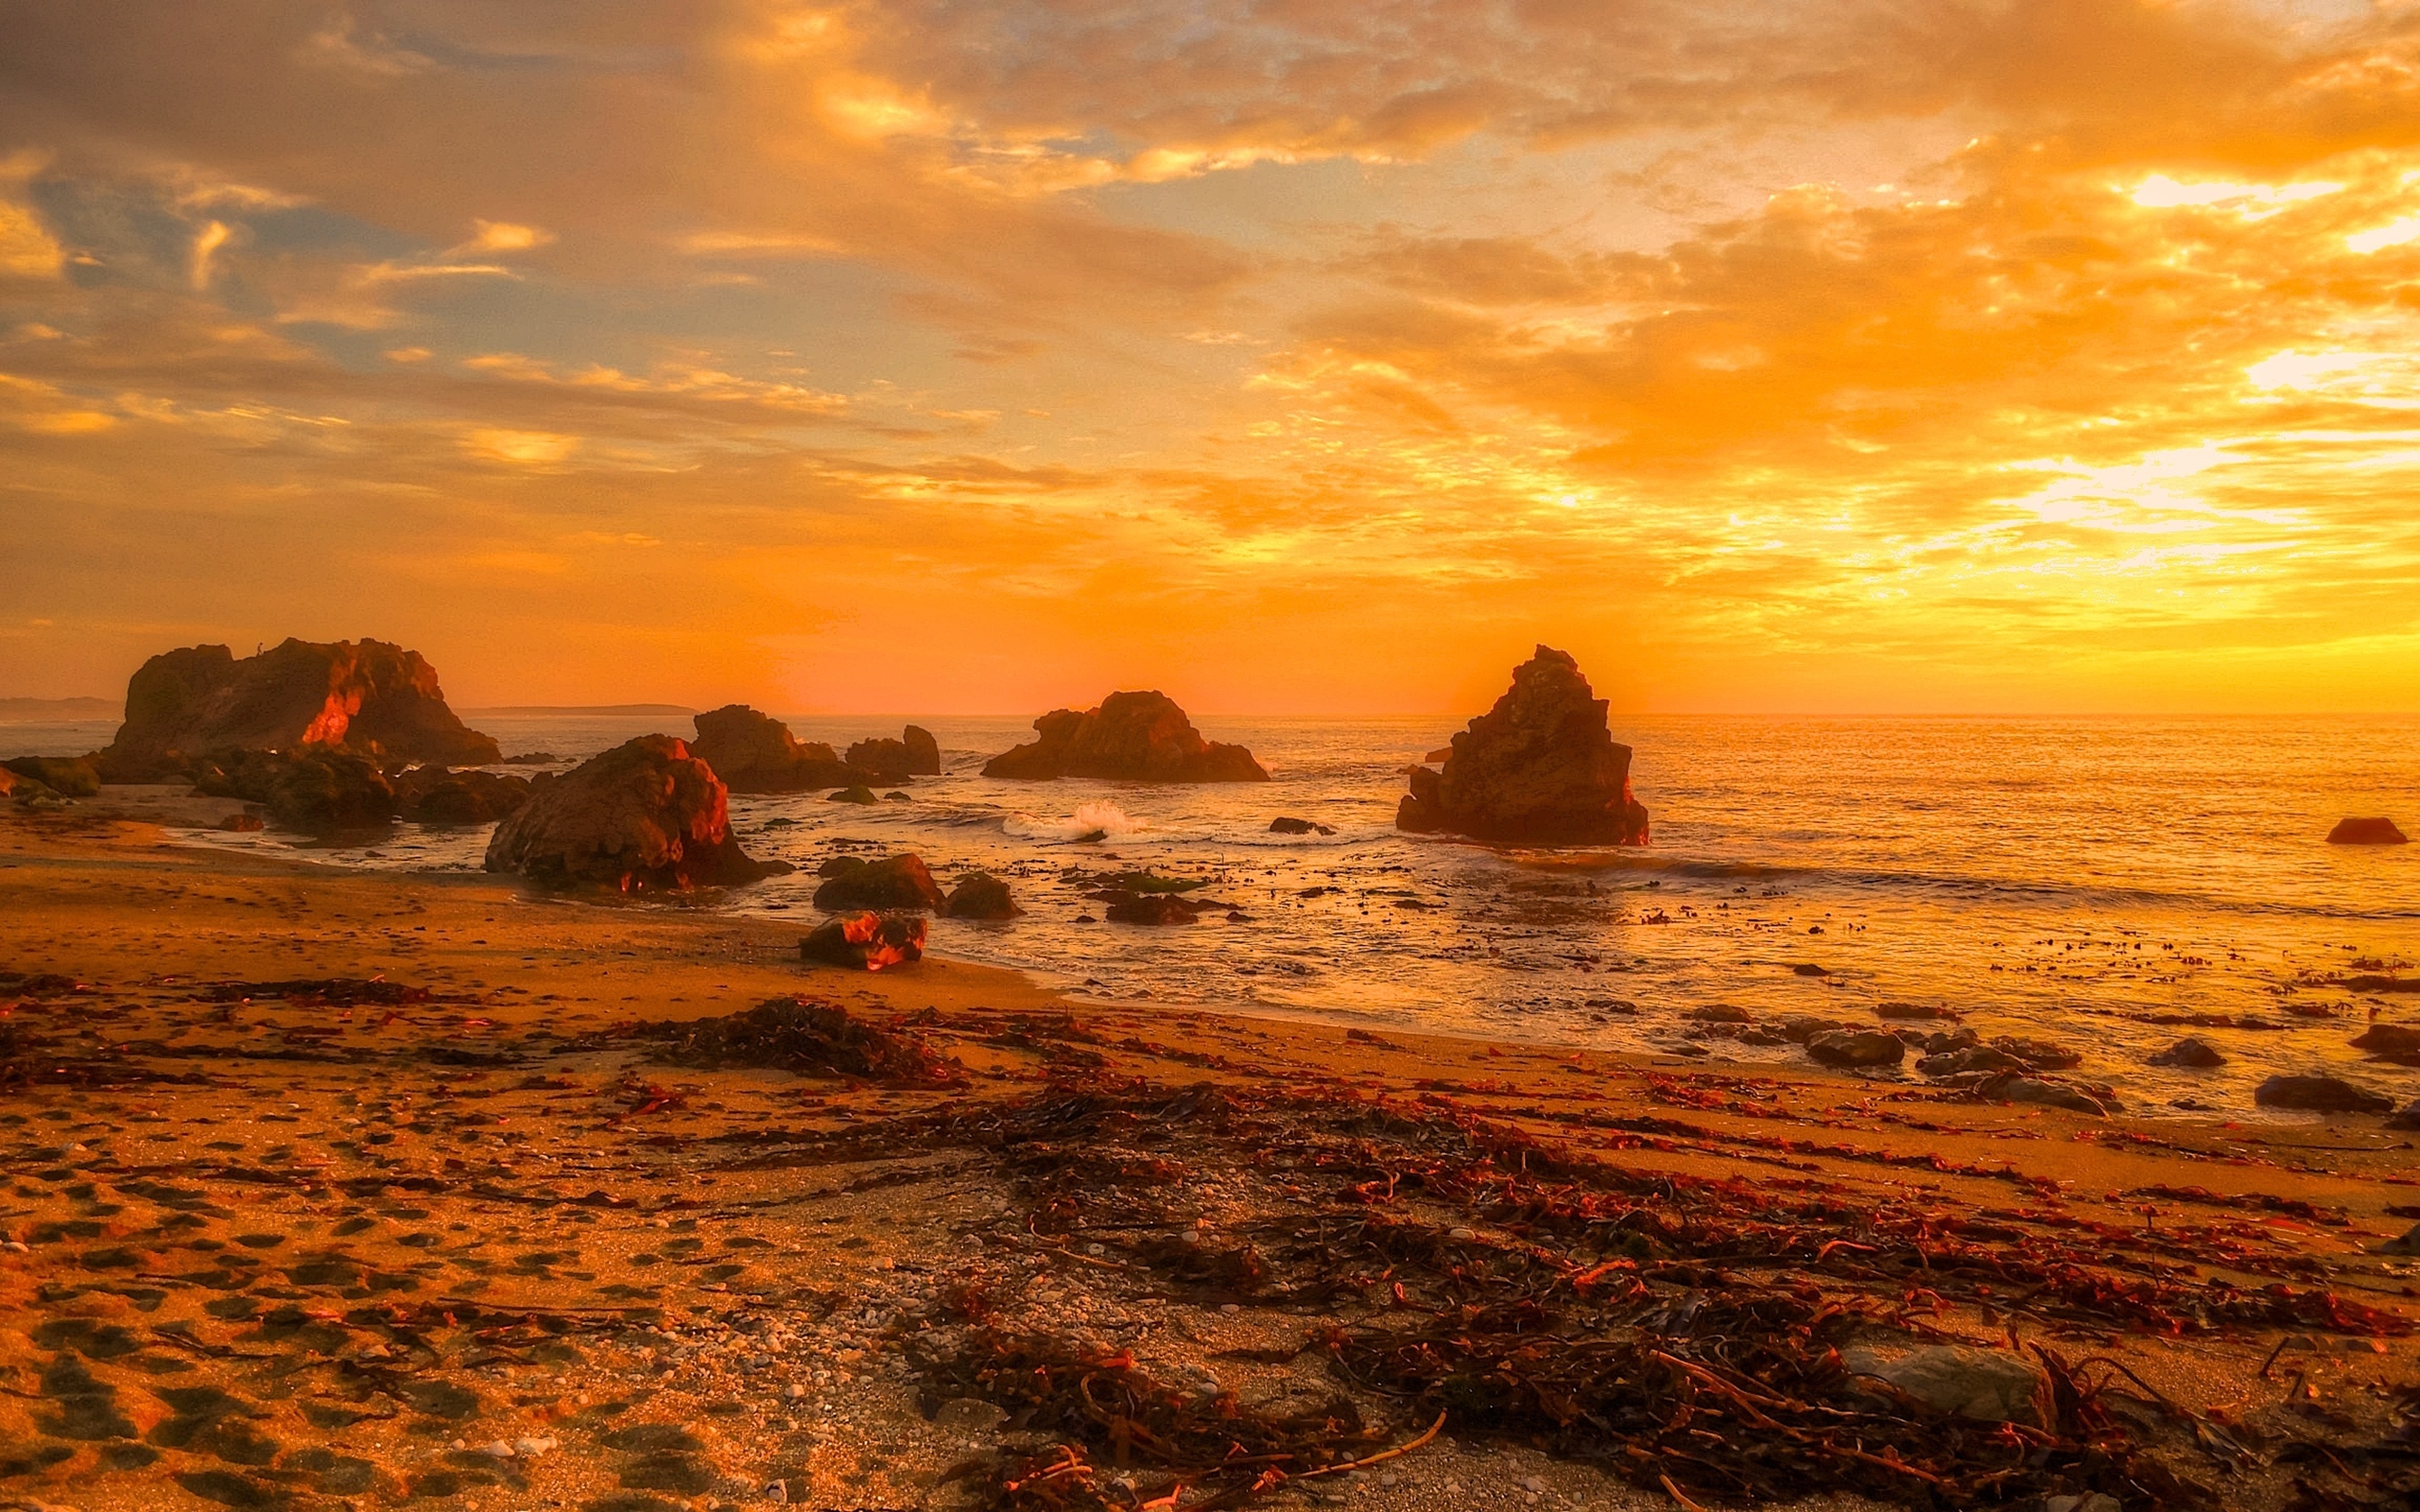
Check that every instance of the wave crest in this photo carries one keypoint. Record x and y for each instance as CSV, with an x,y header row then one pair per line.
x,y
1102,820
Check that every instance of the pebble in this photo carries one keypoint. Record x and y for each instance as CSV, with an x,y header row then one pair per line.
x,y
14,1247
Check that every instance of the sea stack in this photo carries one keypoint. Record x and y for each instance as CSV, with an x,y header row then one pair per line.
x,y
754,752
1541,768
368,698
1132,737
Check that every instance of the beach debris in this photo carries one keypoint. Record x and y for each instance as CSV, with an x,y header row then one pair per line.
x,y
867,940
804,1035
898,883
2192,1051
645,816
980,895
1132,737
1284,825
1541,766
1857,1049
2378,831
2319,1094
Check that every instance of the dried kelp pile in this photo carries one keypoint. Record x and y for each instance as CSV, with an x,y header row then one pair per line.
x,y
1687,1335
804,1035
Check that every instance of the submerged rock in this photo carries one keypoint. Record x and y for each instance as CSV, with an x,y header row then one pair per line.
x,y
980,895
754,752
1152,908
2319,1094
866,941
643,816
2192,1051
2366,831
899,881
368,697
1284,825
1540,768
1134,737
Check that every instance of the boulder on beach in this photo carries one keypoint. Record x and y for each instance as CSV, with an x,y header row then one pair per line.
x,y
368,697
2097,1102
2366,831
1541,768
435,795
1990,1385
1152,908
316,790
2194,1052
754,752
68,776
1857,1049
2392,1041
1132,737
866,941
2319,1094
647,816
980,895
894,883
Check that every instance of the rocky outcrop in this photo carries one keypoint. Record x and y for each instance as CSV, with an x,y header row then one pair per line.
x,y
754,752
2366,831
1541,768
434,795
68,776
1857,1049
1285,824
865,942
1133,737
645,816
923,753
366,697
2319,1094
980,895
316,790
2192,1052
899,881
895,761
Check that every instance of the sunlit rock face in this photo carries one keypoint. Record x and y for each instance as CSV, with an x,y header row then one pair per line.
x,y
1540,768
644,816
1134,737
368,697
754,752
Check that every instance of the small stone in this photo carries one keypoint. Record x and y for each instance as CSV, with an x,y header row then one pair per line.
x,y
794,1391
969,1415
1533,1485
496,1449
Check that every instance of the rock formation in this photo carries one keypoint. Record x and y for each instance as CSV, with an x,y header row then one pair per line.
x,y
434,795
644,816
980,895
1133,737
2319,1094
317,790
895,761
68,776
754,752
1540,768
865,941
895,883
368,697
2366,831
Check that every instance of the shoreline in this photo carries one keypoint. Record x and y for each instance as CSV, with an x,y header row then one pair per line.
x,y
507,1141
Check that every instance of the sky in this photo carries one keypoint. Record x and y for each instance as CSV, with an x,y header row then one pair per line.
x,y
1860,357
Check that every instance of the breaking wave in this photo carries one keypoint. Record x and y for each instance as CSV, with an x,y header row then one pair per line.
x,y
1091,821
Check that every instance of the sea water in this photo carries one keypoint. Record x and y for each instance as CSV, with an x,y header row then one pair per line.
x,y
2069,880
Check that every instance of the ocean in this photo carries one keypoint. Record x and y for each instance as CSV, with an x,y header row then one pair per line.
x,y
2075,881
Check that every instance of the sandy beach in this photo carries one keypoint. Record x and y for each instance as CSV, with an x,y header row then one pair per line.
x,y
327,1189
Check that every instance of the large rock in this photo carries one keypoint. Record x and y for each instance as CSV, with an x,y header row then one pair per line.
x,y
317,790
368,697
1857,1049
2366,831
2194,1052
1540,768
433,795
923,753
980,895
895,761
68,776
2319,1094
754,752
1990,1385
895,883
1133,737
645,816
868,942
2396,1040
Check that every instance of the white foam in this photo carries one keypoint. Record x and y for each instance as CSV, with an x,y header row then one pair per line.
x,y
1107,820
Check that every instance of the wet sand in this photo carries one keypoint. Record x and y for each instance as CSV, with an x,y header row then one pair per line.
x,y
325,1188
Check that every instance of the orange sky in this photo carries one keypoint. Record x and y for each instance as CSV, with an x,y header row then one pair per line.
x,y
1292,355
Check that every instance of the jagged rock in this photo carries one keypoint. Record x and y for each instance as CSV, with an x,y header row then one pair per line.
x,y
1283,824
434,795
2192,1051
1857,1049
980,895
756,753
2366,831
865,941
368,697
2319,1094
643,816
1990,1385
1540,768
1134,737
898,882
317,790
68,776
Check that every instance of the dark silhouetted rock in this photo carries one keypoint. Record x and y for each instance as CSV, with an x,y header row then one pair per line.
x,y
242,823
866,941
1152,908
923,753
895,761
1914,1010
2319,1094
980,895
1133,737
2406,1117
1440,754
859,794
366,697
68,776
1289,826
756,753
537,757
898,882
2366,831
2395,1039
646,816
317,790
433,795
2194,1052
1540,768
1857,1049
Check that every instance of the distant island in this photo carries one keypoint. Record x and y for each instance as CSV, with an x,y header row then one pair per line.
x,y
543,710
43,711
